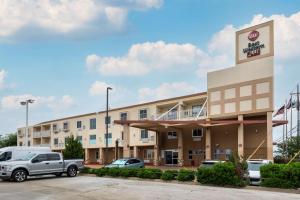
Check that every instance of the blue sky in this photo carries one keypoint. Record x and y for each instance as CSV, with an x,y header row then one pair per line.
x,y
64,53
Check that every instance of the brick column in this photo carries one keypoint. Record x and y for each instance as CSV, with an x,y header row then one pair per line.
x,y
180,149
101,156
135,152
269,136
241,137
87,156
156,160
207,144
126,142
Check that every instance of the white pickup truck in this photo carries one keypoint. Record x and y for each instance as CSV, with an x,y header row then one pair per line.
x,y
39,163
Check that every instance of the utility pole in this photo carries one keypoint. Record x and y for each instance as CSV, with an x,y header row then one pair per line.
x,y
106,126
26,103
298,117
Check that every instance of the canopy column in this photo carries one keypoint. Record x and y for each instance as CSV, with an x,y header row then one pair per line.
x,y
126,141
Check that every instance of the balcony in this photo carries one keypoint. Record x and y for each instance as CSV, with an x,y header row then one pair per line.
x,y
36,134
45,145
59,145
46,133
188,114
21,135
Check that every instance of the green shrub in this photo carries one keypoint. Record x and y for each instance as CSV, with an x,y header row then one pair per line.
x,y
102,172
149,173
169,175
124,172
220,174
281,175
114,172
186,175
85,170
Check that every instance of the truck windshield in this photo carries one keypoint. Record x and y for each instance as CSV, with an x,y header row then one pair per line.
x,y
2,156
254,166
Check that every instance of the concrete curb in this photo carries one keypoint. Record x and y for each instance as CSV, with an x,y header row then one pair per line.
x,y
258,188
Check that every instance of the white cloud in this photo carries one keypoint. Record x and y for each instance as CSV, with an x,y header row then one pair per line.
x,y
65,16
287,40
13,102
150,56
3,74
98,88
166,90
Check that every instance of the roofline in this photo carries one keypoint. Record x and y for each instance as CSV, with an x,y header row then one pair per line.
x,y
125,107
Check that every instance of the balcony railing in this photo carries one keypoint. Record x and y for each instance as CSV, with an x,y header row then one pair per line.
x,y
45,145
182,115
21,134
59,145
36,134
46,133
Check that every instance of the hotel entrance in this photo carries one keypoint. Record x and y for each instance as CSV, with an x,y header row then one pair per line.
x,y
171,157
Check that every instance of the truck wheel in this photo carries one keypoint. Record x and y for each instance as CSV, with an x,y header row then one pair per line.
x,y
19,175
72,171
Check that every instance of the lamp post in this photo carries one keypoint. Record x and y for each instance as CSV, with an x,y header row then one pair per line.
x,y
106,125
26,103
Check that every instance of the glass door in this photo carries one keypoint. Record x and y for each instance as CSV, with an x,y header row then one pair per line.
x,y
171,157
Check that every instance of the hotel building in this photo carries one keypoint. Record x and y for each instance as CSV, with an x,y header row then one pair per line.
x,y
234,115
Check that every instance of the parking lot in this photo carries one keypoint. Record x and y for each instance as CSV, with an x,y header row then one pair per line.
x,y
86,187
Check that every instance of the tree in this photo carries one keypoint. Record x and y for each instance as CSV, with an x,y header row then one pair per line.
x,y
292,147
8,140
73,149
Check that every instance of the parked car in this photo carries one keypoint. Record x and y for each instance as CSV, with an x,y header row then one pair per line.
x,y
12,153
210,163
254,170
39,164
127,163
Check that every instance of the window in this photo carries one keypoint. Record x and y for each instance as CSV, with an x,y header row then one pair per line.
x,y
133,161
172,135
79,124
122,135
108,138
195,110
172,114
28,143
41,158
55,141
66,125
20,143
143,114
93,123
79,138
144,134
198,132
5,156
148,154
108,120
52,157
92,139
123,116
54,127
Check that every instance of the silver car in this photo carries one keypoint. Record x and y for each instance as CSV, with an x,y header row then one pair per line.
x,y
39,164
127,163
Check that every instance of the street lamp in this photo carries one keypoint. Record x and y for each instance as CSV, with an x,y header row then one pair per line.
x,y
106,125
26,103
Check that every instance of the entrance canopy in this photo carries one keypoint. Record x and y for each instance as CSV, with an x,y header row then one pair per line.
x,y
156,125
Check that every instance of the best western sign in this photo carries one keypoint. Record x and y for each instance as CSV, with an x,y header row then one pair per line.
x,y
255,42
